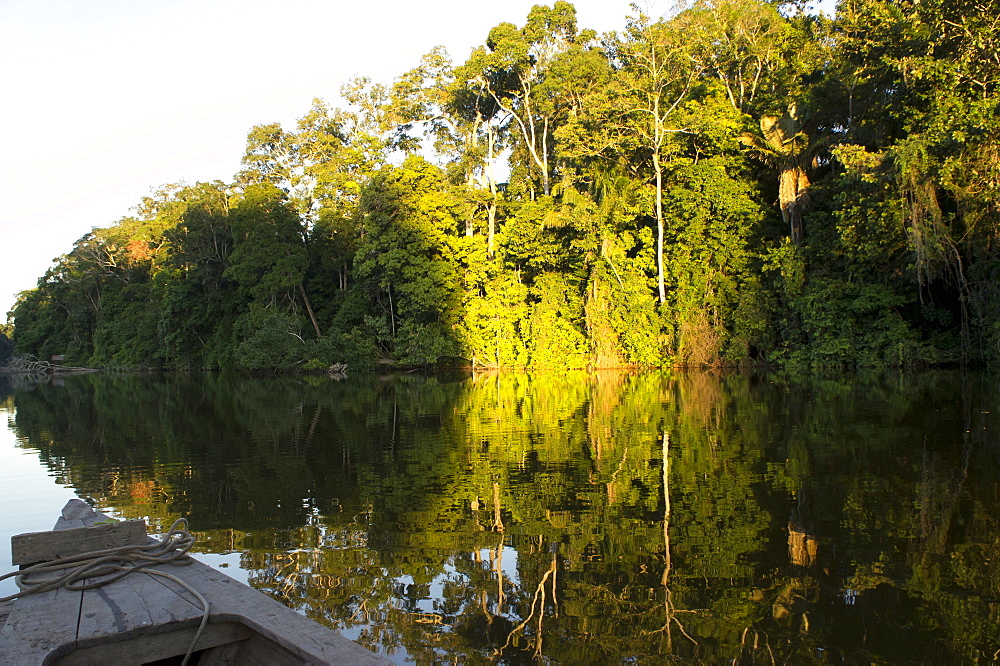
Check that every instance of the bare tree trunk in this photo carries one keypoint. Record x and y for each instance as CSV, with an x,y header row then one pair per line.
x,y
392,315
309,309
493,193
660,284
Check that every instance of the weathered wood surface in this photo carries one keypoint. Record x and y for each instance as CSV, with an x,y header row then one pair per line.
x,y
39,624
78,513
97,626
47,546
154,647
233,601
134,603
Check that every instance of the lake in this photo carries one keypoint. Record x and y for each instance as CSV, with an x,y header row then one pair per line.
x,y
570,517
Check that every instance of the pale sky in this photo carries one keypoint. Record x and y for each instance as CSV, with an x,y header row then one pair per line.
x,y
103,100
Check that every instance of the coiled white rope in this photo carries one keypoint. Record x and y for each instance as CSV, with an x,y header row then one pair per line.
x,y
113,564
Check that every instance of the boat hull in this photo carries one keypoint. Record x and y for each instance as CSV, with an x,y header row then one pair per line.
x,y
145,617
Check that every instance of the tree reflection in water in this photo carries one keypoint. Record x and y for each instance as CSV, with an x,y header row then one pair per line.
x,y
580,518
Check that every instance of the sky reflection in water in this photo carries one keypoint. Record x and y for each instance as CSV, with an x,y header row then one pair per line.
x,y
509,516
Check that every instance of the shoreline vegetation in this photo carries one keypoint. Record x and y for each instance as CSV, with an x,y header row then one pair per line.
x,y
737,183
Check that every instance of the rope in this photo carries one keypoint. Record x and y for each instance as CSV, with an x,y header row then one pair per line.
x,y
114,564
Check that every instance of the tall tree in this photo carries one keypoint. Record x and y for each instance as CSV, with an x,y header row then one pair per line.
x,y
407,258
510,72
785,146
634,120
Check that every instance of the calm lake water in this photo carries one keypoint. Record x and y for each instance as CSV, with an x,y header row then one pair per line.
x,y
567,517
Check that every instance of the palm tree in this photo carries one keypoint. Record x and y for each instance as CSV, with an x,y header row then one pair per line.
x,y
783,145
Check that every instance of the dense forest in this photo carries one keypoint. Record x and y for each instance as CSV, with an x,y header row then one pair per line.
x,y
6,346
735,182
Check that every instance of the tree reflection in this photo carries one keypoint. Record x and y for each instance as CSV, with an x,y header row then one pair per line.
x,y
579,518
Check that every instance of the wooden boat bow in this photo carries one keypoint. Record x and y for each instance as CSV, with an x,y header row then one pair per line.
x,y
145,617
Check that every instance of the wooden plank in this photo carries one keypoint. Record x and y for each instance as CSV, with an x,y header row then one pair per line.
x,y
47,546
148,613
44,623
76,509
153,647
134,606
78,513
38,625
68,524
130,606
232,601
224,655
5,611
260,652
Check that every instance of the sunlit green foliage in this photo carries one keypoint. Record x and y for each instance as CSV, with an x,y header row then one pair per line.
x,y
407,252
732,182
